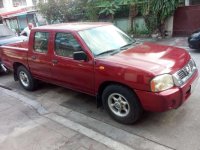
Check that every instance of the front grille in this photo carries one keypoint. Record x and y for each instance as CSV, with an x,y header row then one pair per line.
x,y
182,74
185,73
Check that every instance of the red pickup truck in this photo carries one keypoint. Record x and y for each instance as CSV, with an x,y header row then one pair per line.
x,y
99,59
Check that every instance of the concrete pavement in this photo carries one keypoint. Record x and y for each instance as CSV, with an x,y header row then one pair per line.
x,y
26,125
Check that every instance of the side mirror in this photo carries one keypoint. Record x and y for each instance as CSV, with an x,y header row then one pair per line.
x,y
80,55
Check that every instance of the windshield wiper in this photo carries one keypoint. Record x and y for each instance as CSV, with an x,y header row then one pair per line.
x,y
107,52
114,51
124,47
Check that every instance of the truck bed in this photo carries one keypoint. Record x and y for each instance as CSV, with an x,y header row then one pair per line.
x,y
16,52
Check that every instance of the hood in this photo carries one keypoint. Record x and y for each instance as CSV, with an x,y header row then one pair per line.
x,y
11,39
152,58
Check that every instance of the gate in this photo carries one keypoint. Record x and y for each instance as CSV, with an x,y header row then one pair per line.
x,y
186,20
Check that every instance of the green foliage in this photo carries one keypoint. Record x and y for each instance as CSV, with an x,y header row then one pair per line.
x,y
151,22
122,12
164,8
46,10
108,7
111,6
156,12
61,10
91,10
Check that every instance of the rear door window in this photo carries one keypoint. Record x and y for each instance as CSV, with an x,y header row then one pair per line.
x,y
41,42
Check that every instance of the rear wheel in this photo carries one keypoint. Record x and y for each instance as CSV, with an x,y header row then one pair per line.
x,y
122,104
26,79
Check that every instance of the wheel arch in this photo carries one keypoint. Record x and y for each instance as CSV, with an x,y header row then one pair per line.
x,y
106,84
15,66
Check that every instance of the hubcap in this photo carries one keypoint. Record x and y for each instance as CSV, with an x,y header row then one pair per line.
x,y
24,78
118,105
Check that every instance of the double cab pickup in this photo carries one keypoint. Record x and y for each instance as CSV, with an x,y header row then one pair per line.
x,y
98,59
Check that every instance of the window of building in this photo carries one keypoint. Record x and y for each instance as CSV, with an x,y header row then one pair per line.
x,y
19,3
41,42
66,45
1,4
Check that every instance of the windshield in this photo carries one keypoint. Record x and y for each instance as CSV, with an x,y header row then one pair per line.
x,y
5,31
105,39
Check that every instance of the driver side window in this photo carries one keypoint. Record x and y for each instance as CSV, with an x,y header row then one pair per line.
x,y
66,45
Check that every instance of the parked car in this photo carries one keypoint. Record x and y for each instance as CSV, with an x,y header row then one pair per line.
x,y
194,40
100,60
7,36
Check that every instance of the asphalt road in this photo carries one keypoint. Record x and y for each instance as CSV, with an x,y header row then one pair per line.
x,y
175,129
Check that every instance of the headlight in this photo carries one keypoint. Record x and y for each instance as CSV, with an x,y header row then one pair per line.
x,y
162,82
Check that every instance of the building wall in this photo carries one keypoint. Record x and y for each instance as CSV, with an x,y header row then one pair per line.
x,y
9,5
169,25
139,26
192,2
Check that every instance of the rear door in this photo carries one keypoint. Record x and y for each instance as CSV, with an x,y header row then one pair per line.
x,y
39,55
78,75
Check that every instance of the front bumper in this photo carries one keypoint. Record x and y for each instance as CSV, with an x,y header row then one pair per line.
x,y
169,99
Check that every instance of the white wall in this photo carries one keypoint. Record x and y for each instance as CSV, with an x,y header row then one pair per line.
x,y
29,2
187,2
169,25
7,3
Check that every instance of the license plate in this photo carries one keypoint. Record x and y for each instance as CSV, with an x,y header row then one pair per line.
x,y
194,84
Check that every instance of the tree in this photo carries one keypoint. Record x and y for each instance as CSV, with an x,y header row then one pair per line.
x,y
108,7
46,10
156,12
163,9
61,10
91,10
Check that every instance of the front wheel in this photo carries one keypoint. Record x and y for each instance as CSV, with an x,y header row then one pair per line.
x,y
122,104
26,79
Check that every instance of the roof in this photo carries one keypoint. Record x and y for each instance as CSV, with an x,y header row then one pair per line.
x,y
78,26
16,12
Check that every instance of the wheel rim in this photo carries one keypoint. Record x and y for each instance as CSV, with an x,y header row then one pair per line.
x,y
24,78
118,104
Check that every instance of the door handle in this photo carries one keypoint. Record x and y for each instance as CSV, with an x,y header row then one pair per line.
x,y
33,57
54,61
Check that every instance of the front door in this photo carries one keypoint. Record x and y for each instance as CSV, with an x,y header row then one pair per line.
x,y
78,75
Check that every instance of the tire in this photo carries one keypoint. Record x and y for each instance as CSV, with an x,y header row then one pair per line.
x,y
122,104
25,78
